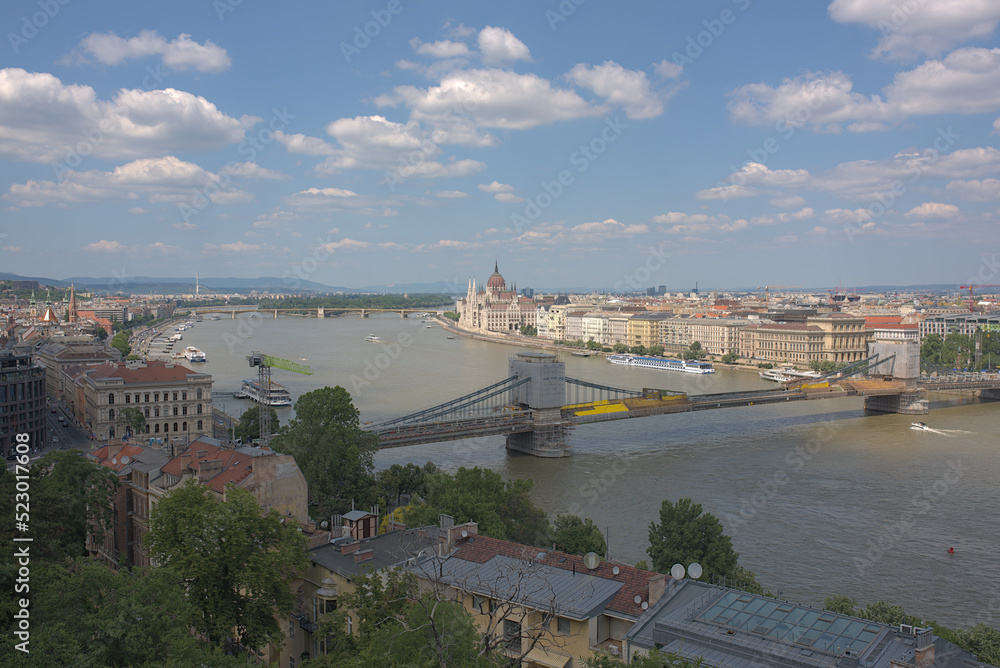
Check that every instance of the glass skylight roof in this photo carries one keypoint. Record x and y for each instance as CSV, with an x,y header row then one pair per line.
x,y
815,629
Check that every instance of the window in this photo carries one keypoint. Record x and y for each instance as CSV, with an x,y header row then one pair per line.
x,y
147,428
184,426
184,410
479,604
291,659
175,410
156,429
111,413
146,397
198,395
156,411
136,397
291,634
175,426
564,626
175,396
327,606
199,409
512,635
146,411
184,395
111,397
128,398
199,425
156,396
111,432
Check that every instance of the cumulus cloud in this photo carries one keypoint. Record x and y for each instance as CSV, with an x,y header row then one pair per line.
x,y
933,210
104,246
450,194
676,222
495,187
928,27
166,179
442,49
44,120
499,46
975,190
181,53
966,81
508,198
323,200
625,88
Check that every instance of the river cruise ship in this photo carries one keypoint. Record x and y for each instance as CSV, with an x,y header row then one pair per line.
x,y
194,355
277,395
685,366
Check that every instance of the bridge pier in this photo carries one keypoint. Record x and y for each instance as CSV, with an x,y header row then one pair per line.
x,y
364,313
320,312
275,314
547,437
905,367
544,395
233,315
990,394
905,403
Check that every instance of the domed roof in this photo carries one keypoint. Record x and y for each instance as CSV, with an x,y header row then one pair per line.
x,y
496,281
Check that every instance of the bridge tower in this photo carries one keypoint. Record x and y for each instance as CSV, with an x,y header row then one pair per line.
x,y
544,394
906,368
321,313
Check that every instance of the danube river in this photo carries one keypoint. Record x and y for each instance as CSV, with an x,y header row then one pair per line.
x,y
818,498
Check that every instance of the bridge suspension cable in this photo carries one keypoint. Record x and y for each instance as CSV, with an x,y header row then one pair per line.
x,y
478,399
598,389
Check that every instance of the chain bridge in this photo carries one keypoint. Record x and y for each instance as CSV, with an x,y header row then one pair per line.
x,y
537,405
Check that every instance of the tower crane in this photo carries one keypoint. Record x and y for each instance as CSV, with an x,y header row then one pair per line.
x,y
264,363
972,298
767,291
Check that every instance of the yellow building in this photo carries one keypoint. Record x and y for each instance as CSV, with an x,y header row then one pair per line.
x,y
643,329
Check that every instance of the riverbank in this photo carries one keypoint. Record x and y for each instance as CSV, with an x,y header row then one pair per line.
x,y
534,342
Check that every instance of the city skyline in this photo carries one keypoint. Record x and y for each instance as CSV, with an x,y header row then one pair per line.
x,y
846,143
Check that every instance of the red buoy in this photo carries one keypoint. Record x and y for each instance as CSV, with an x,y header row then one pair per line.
x,y
951,550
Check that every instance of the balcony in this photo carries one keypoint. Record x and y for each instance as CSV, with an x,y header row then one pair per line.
x,y
610,646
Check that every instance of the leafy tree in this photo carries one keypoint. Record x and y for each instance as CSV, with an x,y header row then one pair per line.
x,y
120,342
981,640
248,427
593,345
576,535
642,565
502,509
656,349
694,351
236,562
134,421
845,605
529,330
607,349
84,614
637,350
403,479
685,535
334,453
101,333
655,659
620,348
452,315
730,358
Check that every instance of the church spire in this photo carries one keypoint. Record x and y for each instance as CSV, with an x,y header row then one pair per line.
x,y
496,266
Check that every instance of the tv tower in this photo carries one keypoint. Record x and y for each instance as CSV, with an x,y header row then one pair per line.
x,y
197,286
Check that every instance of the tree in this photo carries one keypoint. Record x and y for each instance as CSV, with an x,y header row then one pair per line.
x,y
503,509
839,603
401,479
730,358
655,659
236,561
593,345
685,535
529,330
120,342
981,640
620,348
637,350
694,351
101,333
656,349
334,453
248,427
133,420
576,535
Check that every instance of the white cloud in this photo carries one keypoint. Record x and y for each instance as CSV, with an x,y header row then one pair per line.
x,y
668,70
443,49
166,179
450,194
975,190
138,210
996,126
499,46
784,217
232,248
677,222
179,54
495,187
104,246
251,170
936,210
619,86
324,200
299,143
44,120
728,192
787,201
966,81
508,198
926,27
184,226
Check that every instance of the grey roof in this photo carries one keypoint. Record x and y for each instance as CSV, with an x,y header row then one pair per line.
x,y
355,515
560,591
391,549
735,629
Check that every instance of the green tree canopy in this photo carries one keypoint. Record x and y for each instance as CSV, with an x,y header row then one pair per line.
x,y
656,349
120,341
248,427
334,453
236,561
503,509
403,479
134,421
686,535
576,535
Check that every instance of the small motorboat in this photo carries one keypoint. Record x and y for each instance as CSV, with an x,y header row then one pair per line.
x,y
919,426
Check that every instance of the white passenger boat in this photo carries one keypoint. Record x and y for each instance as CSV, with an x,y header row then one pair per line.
x,y
194,355
276,395
685,366
371,338
787,374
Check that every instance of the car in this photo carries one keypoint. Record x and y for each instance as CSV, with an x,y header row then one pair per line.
x,y
52,410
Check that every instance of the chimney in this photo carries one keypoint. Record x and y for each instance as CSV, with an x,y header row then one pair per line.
x,y
350,547
363,555
113,450
657,585
208,469
454,533
923,655
185,458
202,454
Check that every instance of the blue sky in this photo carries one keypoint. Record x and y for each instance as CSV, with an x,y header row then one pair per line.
x,y
733,143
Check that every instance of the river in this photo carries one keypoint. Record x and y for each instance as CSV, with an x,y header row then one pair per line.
x,y
818,497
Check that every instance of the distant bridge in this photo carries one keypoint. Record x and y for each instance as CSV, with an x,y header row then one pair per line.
x,y
320,312
537,405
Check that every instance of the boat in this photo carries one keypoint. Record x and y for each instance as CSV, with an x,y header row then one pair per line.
x,y
176,337
787,374
685,366
919,426
450,337
580,353
215,317
194,355
371,338
276,395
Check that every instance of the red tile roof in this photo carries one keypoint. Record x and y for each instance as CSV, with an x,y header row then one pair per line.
x,y
116,463
235,466
480,549
154,371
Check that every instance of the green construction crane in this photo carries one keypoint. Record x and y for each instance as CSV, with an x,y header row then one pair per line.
x,y
264,363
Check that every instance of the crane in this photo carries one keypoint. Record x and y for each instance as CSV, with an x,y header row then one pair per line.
x,y
972,298
767,291
264,363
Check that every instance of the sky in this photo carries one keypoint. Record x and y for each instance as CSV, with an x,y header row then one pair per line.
x,y
733,143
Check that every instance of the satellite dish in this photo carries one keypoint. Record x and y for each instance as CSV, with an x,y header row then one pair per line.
x,y
645,605
694,570
637,599
465,534
677,571
616,570
591,560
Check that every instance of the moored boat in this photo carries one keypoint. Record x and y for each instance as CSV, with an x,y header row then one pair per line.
x,y
666,364
371,338
194,355
276,395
